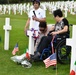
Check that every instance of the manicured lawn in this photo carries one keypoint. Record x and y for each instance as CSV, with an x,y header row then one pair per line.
x,y
17,34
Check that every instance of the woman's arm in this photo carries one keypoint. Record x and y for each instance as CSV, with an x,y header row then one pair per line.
x,y
65,29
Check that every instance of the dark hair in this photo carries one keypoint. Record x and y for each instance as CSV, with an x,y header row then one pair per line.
x,y
43,24
36,1
58,12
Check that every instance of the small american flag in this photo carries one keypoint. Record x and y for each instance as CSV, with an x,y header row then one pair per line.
x,y
15,49
51,60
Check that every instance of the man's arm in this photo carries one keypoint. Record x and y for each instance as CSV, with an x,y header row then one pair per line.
x,y
38,19
27,24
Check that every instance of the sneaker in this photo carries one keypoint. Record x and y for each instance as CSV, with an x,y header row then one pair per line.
x,y
17,59
13,58
26,64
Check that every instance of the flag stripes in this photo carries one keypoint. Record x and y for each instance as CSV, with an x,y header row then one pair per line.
x,y
51,60
15,49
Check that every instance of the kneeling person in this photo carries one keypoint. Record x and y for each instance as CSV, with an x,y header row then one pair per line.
x,y
43,31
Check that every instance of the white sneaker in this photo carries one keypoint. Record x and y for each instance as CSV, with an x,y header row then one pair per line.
x,y
26,64
13,58
18,59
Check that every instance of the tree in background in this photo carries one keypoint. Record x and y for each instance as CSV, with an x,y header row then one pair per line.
x,y
3,1
13,1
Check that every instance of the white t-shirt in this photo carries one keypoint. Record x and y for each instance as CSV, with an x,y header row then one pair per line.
x,y
40,13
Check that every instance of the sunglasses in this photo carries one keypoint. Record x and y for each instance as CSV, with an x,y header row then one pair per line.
x,y
42,30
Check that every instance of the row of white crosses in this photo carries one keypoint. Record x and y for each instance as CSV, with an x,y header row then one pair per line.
x,y
13,8
20,8
65,6
17,8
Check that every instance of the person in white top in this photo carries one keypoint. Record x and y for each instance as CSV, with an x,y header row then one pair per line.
x,y
37,14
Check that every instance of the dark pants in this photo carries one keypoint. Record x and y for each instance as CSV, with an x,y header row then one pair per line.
x,y
46,40
44,43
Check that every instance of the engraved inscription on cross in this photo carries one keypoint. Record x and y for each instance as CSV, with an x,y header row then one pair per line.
x,y
72,43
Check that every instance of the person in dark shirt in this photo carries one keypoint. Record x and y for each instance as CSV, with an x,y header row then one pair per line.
x,y
60,29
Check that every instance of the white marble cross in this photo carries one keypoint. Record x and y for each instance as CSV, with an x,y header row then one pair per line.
x,y
71,8
66,10
9,9
7,28
14,9
28,8
32,34
4,9
72,43
31,39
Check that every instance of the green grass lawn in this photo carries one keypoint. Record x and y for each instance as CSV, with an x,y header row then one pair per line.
x,y
8,67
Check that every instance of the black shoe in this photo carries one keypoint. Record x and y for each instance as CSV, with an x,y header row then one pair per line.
x,y
31,58
36,56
